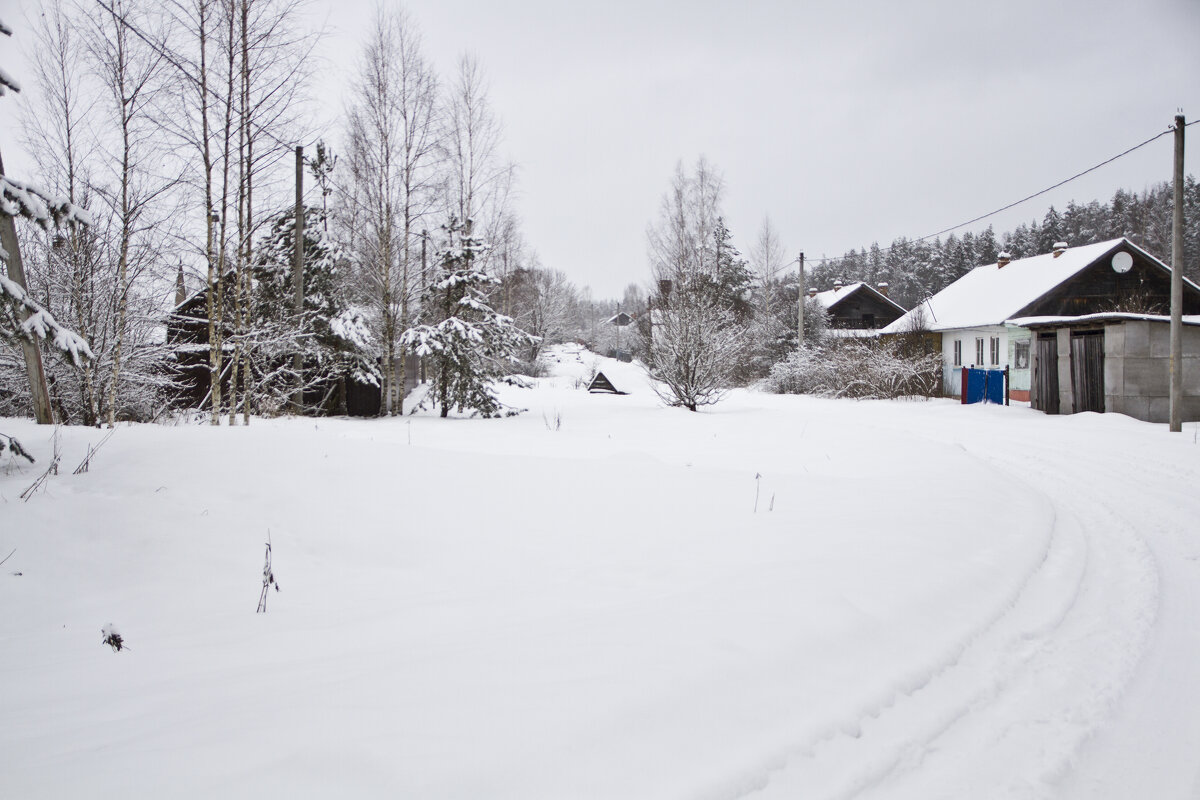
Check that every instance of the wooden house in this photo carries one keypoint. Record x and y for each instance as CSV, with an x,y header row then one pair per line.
x,y
187,337
858,306
982,317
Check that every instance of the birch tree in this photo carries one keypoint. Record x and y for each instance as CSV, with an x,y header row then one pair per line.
x,y
392,148
477,183
131,75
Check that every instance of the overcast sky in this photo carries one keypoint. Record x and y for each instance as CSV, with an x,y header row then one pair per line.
x,y
845,122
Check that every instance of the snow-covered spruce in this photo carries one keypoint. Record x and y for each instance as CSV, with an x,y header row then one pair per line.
x,y
21,317
333,336
466,342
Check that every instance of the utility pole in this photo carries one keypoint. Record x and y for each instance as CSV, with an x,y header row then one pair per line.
x,y
800,307
33,356
424,286
1177,285
298,278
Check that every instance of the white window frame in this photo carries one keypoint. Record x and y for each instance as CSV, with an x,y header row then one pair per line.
x,y
995,351
958,352
979,351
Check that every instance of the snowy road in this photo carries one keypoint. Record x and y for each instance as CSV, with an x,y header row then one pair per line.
x,y
930,601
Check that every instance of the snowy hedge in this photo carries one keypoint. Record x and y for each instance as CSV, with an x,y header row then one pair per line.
x,y
859,368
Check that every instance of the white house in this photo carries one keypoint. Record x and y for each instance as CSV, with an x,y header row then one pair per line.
x,y
974,314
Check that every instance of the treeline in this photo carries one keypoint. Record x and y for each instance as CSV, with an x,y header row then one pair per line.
x,y
916,269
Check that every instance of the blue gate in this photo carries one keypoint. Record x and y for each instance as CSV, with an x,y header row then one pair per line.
x,y
983,385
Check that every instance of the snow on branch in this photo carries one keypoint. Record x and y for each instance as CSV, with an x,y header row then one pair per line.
x,y
19,199
39,324
8,82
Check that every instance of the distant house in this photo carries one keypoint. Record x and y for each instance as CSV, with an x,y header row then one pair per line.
x,y
984,318
858,307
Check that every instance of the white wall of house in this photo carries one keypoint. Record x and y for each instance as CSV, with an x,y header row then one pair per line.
x,y
995,353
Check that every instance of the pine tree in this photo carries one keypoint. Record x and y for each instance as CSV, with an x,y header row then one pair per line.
x,y
331,333
466,341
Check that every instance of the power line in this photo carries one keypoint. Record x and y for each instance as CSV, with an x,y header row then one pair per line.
x,y
1049,188
1013,204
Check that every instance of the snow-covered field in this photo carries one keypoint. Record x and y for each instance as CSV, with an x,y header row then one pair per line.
x,y
582,602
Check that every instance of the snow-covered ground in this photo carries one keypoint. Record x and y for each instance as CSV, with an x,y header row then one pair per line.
x,y
930,601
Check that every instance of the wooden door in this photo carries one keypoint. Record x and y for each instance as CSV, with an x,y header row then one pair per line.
x,y
1087,370
1045,371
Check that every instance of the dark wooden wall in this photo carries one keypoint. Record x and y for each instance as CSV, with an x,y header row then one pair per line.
x,y
1145,289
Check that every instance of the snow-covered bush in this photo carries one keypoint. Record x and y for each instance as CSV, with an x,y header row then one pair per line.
x,y
697,345
859,368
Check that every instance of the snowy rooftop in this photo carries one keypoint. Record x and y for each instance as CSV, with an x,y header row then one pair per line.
x,y
1107,316
831,297
991,294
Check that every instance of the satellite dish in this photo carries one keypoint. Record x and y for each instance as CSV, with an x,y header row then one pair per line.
x,y
1122,262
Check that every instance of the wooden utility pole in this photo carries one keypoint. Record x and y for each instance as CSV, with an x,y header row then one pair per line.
x,y
298,278
1177,285
424,286
33,356
800,308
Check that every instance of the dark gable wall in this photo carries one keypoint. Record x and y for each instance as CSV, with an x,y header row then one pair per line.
x,y
849,312
1146,289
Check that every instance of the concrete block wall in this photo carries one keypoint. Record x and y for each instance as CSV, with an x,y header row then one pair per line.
x,y
1137,377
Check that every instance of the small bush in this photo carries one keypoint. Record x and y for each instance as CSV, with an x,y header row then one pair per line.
x,y
859,368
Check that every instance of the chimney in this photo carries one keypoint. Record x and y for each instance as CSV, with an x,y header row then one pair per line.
x,y
1003,259
1059,248
812,292
883,288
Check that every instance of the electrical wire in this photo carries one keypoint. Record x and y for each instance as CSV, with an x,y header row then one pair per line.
x,y
1002,209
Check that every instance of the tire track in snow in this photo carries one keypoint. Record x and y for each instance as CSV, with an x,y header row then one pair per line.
x,y
985,721
819,758
1024,738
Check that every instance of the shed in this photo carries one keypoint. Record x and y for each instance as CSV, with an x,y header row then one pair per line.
x,y
1115,362
601,383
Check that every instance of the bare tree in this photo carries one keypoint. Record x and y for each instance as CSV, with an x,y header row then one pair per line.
x,y
478,184
544,300
392,147
244,72
683,240
767,259
131,74
696,347
697,340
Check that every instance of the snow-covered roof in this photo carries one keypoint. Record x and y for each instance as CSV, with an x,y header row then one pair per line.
x,y
831,297
1105,316
991,294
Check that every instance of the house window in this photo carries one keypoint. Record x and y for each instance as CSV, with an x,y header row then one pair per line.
x,y
1021,355
979,351
995,350
958,352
